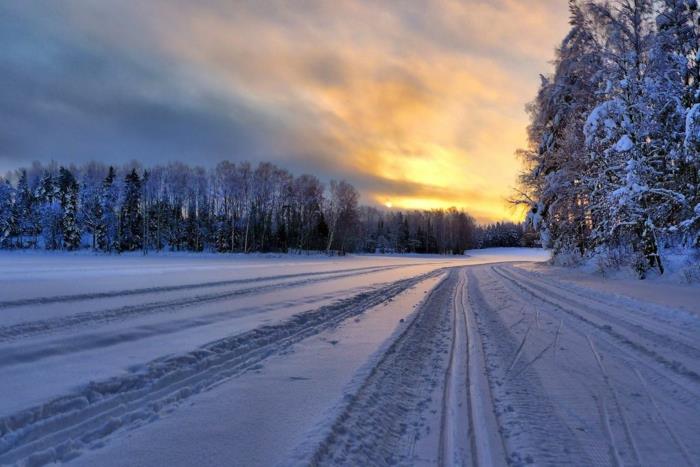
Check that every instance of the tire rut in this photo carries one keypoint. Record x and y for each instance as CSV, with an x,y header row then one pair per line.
x,y
60,429
531,426
655,359
175,288
379,424
632,320
632,431
93,318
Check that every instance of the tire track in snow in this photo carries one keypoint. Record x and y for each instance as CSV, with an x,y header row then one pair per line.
x,y
382,420
641,436
488,445
176,288
519,351
534,360
614,453
91,318
58,430
528,421
616,400
456,421
632,320
102,339
556,339
613,336
679,443
438,355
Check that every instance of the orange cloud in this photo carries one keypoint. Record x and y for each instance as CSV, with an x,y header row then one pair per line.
x,y
429,95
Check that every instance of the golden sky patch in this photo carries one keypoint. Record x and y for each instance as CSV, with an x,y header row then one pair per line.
x,y
430,95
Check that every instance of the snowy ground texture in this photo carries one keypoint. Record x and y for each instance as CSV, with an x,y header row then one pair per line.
x,y
492,359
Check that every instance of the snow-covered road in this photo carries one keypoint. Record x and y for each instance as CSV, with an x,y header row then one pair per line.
x,y
348,361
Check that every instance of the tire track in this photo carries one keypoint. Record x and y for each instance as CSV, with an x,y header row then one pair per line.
x,y
632,321
616,400
613,451
92,318
456,421
529,422
534,360
679,443
376,425
183,287
486,434
61,428
623,414
519,351
102,339
614,337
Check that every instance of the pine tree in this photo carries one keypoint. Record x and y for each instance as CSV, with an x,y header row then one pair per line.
x,y
50,211
68,193
404,235
678,65
106,231
90,214
7,213
130,219
25,215
100,229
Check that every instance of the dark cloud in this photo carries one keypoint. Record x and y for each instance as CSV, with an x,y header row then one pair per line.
x,y
410,100
68,99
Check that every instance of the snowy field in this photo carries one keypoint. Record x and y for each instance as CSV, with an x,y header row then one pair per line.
x,y
206,360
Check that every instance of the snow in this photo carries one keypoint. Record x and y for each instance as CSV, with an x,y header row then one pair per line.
x,y
601,115
669,290
357,360
662,21
287,389
60,310
692,127
624,144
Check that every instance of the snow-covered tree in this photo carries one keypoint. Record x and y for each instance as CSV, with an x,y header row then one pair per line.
x,y
49,210
90,214
108,227
130,215
232,207
25,215
7,213
613,161
557,181
68,196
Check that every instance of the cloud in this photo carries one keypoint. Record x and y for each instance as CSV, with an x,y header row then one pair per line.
x,y
420,102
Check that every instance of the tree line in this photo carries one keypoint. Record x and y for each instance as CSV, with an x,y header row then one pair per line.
x,y
229,208
613,166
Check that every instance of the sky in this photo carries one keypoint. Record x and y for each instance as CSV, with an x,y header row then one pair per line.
x,y
418,103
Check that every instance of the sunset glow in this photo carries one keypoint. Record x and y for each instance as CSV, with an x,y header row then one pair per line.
x,y
421,104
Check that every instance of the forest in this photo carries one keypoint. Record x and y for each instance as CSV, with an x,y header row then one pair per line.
x,y
612,166
228,208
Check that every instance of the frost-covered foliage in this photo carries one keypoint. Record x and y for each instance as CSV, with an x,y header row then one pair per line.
x,y
614,153
692,128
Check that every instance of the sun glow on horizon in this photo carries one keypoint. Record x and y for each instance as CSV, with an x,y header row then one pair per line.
x,y
420,106
484,212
